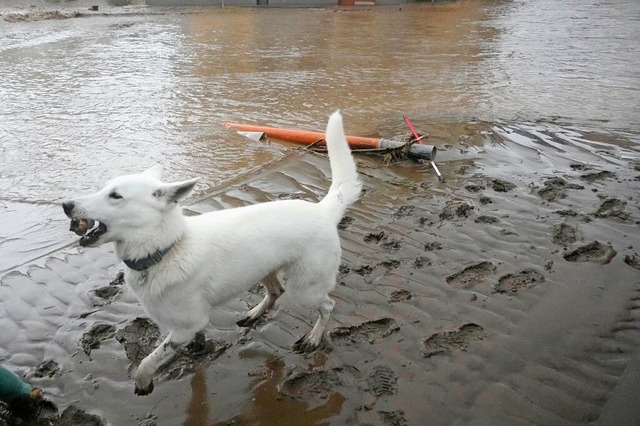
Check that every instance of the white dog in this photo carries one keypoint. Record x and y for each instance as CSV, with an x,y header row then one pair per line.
x,y
182,267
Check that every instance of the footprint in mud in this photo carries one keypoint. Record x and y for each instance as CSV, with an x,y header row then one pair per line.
x,y
393,418
368,331
421,262
457,339
98,333
375,237
364,270
345,222
580,167
390,264
555,188
474,187
384,241
434,245
565,234
592,252
632,260
109,292
484,200
382,381
401,295
513,283
500,185
47,369
73,415
595,176
140,338
471,275
306,384
612,207
455,209
491,220
404,211
391,245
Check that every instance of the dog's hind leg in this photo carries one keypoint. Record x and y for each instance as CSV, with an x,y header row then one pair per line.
x,y
311,341
274,290
160,356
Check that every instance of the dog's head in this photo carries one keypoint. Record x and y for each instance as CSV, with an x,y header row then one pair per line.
x,y
127,205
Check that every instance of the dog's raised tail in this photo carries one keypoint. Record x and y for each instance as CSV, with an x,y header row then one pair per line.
x,y
345,184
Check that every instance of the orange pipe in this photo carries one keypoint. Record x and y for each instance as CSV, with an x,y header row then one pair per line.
x,y
305,137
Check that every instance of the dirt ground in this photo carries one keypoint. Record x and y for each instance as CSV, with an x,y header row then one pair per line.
x,y
507,295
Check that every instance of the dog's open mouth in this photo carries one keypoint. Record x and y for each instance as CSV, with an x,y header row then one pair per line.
x,y
88,230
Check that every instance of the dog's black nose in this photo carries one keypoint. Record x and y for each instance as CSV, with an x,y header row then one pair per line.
x,y
68,206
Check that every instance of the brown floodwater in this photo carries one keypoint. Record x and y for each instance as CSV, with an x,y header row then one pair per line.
x,y
526,88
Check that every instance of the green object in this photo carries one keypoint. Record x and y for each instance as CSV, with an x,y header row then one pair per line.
x,y
12,386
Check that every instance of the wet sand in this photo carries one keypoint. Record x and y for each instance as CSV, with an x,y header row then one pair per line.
x,y
507,295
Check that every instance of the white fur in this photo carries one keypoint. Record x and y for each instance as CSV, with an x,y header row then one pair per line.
x,y
219,255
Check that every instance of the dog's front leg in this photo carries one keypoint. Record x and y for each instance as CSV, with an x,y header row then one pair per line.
x,y
156,359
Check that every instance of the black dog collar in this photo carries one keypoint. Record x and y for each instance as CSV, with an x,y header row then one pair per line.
x,y
147,262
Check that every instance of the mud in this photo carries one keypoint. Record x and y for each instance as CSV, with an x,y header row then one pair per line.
x,y
425,301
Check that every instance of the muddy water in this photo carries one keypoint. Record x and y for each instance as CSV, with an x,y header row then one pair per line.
x,y
512,91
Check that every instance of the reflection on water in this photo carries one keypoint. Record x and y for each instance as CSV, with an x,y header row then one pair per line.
x,y
198,410
269,407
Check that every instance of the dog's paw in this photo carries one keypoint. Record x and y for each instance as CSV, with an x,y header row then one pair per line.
x,y
142,391
305,345
247,321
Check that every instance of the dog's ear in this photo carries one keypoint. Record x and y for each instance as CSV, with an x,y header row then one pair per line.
x,y
154,171
174,192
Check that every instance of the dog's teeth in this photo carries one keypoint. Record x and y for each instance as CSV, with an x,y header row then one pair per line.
x,y
81,226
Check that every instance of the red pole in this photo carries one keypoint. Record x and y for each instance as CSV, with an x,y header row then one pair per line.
x,y
415,134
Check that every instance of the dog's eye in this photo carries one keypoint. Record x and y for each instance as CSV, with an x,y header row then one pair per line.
x,y
114,195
